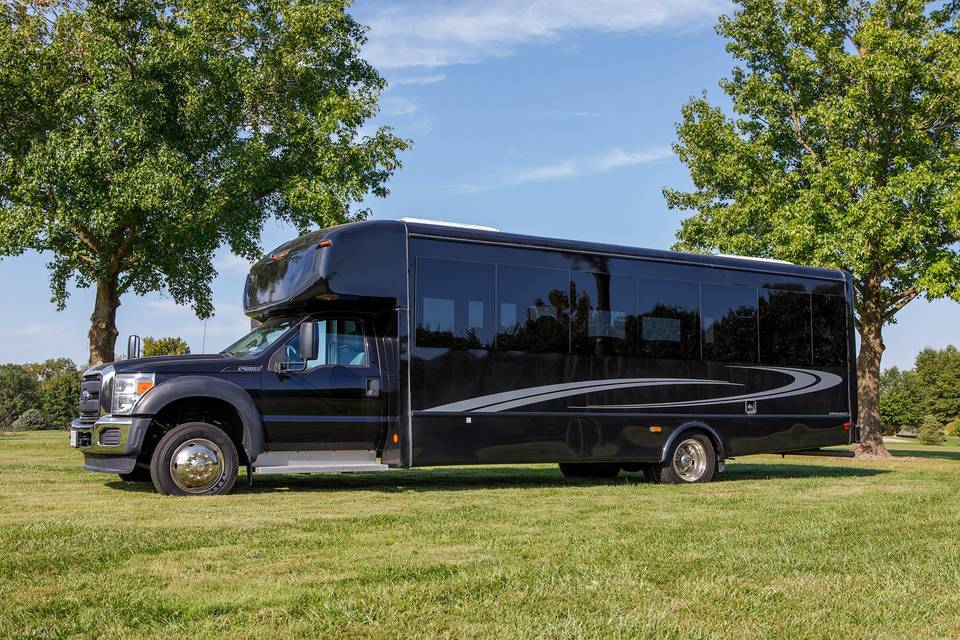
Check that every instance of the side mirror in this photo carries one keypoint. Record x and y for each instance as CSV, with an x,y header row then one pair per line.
x,y
133,347
309,347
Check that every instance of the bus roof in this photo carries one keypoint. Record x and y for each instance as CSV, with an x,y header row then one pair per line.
x,y
477,234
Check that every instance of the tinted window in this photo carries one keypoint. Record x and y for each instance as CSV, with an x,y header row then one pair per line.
x,y
340,342
729,323
669,324
829,330
603,315
532,309
784,327
454,304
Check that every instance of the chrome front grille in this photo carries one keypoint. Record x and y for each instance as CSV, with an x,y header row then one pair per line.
x,y
90,398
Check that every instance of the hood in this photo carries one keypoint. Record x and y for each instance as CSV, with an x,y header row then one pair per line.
x,y
193,363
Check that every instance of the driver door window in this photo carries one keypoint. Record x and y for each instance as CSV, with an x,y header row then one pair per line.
x,y
341,342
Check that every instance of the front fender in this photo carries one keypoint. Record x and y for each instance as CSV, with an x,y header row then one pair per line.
x,y
206,386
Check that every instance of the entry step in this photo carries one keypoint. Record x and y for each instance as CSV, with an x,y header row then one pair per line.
x,y
317,462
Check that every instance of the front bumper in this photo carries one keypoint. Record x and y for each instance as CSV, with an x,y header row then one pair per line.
x,y
109,435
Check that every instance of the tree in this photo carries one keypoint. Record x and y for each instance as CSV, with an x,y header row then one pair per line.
x,y
171,346
931,431
59,398
18,392
901,401
29,420
938,371
842,152
137,137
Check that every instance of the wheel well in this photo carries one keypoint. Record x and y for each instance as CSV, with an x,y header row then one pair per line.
x,y
207,409
718,447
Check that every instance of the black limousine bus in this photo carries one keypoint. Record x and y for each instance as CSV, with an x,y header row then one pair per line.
x,y
414,343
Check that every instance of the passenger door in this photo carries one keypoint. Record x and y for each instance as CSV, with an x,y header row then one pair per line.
x,y
335,401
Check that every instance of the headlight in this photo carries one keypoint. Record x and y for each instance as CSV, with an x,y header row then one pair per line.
x,y
128,388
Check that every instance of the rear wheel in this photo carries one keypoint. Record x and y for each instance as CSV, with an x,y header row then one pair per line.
x,y
196,459
590,469
692,459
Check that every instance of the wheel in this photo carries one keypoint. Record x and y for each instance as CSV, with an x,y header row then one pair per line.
x,y
692,459
139,474
196,459
590,469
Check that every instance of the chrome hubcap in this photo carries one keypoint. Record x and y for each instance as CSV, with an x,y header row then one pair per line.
x,y
196,465
690,460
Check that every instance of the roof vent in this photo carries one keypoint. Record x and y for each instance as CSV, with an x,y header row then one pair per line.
x,y
446,223
730,255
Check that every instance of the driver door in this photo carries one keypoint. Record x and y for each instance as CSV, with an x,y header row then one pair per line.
x,y
335,401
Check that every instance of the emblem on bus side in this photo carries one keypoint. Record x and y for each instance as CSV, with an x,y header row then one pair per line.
x,y
750,406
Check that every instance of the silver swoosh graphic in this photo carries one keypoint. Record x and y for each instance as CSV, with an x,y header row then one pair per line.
x,y
531,395
804,381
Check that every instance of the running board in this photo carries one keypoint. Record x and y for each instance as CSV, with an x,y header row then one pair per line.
x,y
317,462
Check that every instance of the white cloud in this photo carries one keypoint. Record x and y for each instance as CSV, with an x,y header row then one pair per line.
x,y
32,329
432,34
615,158
231,263
398,106
416,80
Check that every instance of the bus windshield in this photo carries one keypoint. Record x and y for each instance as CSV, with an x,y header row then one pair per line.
x,y
260,338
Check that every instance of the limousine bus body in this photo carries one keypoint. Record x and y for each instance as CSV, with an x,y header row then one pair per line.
x,y
409,343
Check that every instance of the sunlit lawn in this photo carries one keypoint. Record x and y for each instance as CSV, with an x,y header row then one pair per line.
x,y
778,548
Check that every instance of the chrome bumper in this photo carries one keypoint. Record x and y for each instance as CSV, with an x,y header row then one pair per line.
x,y
109,435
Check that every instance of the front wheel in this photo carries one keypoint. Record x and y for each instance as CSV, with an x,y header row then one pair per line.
x,y
692,459
194,459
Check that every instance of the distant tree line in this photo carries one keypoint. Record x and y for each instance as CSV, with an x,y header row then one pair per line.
x,y
925,399
45,395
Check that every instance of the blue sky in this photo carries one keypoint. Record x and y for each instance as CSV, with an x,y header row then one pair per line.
x,y
547,118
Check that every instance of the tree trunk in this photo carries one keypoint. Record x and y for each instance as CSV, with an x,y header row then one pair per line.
x,y
103,323
868,382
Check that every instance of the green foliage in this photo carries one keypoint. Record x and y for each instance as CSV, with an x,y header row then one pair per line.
x,y
137,137
902,401
29,420
952,428
59,397
938,371
50,387
19,391
169,346
931,431
842,152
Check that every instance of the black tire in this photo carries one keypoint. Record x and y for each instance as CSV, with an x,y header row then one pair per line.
x,y
208,461
590,469
139,474
677,469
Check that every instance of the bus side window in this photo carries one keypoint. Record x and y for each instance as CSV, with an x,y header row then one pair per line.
x,y
454,304
784,327
829,330
603,314
729,322
532,307
669,320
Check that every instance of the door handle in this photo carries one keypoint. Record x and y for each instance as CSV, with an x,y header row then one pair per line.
x,y
373,387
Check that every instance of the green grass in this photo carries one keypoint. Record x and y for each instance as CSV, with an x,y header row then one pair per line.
x,y
778,548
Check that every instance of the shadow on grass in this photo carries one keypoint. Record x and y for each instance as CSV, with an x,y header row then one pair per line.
x,y
931,452
506,477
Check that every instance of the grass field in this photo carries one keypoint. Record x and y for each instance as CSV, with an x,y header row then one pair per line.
x,y
794,548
